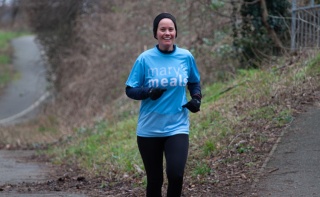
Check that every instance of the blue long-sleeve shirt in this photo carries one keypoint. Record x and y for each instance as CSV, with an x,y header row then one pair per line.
x,y
172,71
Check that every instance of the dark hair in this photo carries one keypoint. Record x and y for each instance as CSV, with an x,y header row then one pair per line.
x,y
159,18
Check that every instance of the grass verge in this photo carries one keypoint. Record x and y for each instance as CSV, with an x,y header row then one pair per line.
x,y
6,69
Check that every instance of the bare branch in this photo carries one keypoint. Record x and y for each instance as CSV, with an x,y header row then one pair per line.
x,y
251,3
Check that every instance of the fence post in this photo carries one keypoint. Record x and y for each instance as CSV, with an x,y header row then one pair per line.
x,y
293,25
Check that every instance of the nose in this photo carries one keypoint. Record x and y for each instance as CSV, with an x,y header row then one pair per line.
x,y
167,32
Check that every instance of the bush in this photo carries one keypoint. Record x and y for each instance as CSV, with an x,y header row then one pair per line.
x,y
254,43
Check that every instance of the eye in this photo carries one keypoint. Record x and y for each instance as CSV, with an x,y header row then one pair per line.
x,y
171,29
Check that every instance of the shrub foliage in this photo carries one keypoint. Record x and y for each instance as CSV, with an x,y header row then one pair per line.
x,y
253,39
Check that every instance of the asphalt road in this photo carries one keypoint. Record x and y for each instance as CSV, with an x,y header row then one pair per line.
x,y
11,163
22,96
14,169
294,168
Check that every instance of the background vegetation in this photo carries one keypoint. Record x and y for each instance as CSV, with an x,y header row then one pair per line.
x,y
6,68
250,93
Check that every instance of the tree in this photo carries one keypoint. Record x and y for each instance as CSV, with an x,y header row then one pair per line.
x,y
264,30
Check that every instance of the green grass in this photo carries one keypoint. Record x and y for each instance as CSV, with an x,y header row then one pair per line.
x,y
4,59
4,78
313,68
6,70
104,147
253,97
6,36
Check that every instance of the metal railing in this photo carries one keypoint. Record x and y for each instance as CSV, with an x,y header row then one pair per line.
x,y
305,27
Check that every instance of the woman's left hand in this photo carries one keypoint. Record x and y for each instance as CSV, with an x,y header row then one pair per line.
x,y
193,105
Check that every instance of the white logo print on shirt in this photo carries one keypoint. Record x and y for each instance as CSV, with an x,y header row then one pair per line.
x,y
168,76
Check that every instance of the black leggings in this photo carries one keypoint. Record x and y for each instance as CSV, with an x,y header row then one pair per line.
x,y
175,149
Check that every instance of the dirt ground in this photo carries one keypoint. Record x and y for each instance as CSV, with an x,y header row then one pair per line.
x,y
72,181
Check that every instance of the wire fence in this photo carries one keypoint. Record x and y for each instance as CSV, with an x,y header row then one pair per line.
x,y
305,27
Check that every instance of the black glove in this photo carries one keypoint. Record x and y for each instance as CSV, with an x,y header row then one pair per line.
x,y
155,93
193,105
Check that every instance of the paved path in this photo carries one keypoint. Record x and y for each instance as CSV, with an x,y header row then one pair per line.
x,y
19,102
14,169
294,168
23,95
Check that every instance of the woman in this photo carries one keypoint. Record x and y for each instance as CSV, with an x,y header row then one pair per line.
x,y
159,78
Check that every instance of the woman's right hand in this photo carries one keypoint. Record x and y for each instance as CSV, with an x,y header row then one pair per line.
x,y
155,93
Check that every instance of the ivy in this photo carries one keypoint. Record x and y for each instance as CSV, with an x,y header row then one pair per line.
x,y
276,9
253,34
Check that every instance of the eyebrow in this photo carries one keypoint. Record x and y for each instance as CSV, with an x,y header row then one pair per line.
x,y
166,27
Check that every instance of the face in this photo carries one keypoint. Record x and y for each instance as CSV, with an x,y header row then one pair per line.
x,y
166,34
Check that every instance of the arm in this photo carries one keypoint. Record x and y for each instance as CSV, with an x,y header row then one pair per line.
x,y
195,90
139,93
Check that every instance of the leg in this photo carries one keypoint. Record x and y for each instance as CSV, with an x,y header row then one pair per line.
x,y
176,152
151,150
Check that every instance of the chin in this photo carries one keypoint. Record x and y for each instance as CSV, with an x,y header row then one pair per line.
x,y
167,46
